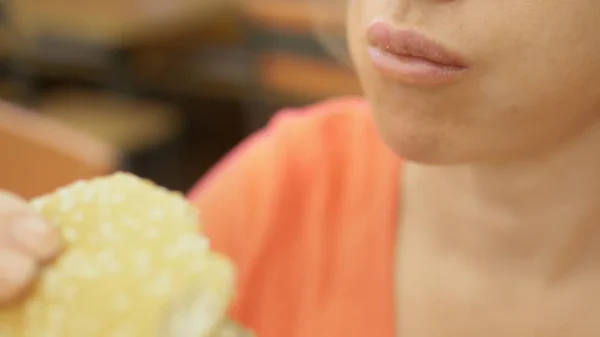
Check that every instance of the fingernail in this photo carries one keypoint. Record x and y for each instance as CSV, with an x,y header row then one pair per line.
x,y
36,236
33,227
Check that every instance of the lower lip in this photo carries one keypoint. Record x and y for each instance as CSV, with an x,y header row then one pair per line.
x,y
414,70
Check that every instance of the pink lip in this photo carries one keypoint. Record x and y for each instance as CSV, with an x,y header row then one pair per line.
x,y
411,57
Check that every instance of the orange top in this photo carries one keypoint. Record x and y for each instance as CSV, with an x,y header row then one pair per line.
x,y
307,209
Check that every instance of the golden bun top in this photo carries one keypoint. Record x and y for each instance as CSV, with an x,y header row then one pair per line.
x,y
136,265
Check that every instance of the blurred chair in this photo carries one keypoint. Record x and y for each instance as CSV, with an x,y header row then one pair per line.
x,y
126,123
37,154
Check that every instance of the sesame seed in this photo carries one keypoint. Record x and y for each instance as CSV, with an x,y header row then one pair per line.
x,y
125,330
77,217
117,198
70,234
120,302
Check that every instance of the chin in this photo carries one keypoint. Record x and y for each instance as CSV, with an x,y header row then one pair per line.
x,y
425,147
416,153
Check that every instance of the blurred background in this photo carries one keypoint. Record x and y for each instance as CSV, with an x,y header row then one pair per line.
x,y
161,88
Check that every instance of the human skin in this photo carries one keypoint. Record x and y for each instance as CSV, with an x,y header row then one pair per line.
x,y
499,229
26,244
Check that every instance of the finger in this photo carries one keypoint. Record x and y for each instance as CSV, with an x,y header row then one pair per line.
x,y
17,271
10,202
31,235
23,229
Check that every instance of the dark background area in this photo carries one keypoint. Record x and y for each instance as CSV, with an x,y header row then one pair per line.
x,y
203,74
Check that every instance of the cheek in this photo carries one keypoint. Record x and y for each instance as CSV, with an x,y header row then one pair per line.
x,y
354,29
550,73
359,14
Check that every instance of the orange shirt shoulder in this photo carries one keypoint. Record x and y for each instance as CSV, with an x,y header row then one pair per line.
x,y
307,210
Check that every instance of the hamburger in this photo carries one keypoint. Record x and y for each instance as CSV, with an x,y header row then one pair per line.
x,y
136,265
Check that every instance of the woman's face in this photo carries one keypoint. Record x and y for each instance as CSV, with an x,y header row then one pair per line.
x,y
528,76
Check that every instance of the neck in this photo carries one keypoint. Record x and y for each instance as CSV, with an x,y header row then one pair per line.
x,y
541,215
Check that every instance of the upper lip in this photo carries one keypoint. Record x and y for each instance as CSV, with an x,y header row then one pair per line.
x,y
411,43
